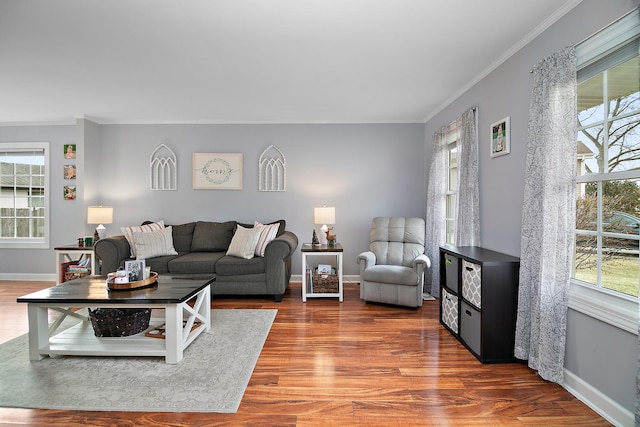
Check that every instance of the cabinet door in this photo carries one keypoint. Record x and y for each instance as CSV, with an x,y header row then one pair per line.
x,y
470,330
472,283
449,310
451,270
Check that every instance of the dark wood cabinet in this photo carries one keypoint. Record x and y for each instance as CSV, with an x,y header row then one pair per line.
x,y
479,296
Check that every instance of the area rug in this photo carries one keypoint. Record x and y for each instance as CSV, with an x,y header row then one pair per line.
x,y
212,376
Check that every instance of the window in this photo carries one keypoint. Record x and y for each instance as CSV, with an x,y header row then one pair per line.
x,y
24,204
608,192
451,196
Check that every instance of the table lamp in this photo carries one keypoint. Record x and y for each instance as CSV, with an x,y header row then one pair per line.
x,y
325,215
99,215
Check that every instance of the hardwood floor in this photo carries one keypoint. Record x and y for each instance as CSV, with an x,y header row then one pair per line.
x,y
330,363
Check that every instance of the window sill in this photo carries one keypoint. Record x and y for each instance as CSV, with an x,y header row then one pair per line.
x,y
617,310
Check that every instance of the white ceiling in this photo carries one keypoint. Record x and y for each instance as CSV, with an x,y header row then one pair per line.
x,y
253,61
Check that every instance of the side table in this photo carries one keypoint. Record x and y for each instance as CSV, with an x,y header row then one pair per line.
x,y
308,251
71,254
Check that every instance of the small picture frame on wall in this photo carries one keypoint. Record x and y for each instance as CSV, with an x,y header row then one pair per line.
x,y
69,171
69,192
69,151
500,138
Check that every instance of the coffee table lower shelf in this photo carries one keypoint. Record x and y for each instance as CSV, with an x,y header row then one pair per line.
x,y
80,340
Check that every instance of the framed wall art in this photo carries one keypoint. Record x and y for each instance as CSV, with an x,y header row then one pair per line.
x,y
500,138
217,171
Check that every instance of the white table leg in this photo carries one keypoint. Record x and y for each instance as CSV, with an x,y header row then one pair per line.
x,y
173,334
38,331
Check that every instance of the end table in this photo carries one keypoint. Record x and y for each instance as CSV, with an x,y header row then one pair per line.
x,y
308,251
73,253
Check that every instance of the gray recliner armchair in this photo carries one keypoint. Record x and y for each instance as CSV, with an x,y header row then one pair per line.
x,y
392,271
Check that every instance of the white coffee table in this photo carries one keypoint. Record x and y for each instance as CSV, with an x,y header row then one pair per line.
x,y
184,302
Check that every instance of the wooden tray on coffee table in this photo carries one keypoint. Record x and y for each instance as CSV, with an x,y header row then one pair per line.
x,y
150,281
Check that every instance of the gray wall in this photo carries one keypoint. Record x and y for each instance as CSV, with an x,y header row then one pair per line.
x,y
506,92
362,170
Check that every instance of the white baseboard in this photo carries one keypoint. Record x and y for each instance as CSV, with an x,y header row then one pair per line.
x,y
593,398
28,277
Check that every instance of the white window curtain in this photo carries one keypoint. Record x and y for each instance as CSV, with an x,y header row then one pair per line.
x,y
435,212
548,217
468,212
467,218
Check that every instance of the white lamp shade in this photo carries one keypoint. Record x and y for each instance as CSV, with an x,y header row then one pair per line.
x,y
99,215
324,215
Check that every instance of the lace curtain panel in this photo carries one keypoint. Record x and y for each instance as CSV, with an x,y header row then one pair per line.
x,y
548,217
468,212
435,210
468,218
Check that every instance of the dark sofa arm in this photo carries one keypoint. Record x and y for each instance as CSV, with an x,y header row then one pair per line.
x,y
277,257
110,252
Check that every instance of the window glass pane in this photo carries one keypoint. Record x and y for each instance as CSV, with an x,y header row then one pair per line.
x,y
591,101
7,227
623,87
589,150
620,266
586,208
586,257
22,229
624,144
38,227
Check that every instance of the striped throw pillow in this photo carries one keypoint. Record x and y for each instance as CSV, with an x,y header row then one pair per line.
x,y
154,243
128,233
267,234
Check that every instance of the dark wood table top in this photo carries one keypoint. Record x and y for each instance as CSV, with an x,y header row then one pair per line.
x,y
93,289
307,247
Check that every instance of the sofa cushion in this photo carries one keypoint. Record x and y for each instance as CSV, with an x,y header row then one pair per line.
x,y
154,243
243,244
195,263
282,224
234,266
391,274
160,264
212,236
182,237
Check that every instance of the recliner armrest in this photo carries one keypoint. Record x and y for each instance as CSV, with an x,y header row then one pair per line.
x,y
421,262
366,260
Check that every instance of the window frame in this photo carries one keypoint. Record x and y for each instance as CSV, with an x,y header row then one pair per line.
x,y
614,308
450,222
34,242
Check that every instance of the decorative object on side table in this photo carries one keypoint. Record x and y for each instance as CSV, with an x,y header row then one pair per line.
x,y
326,215
99,215
314,239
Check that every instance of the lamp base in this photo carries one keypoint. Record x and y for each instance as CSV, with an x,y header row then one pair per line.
x,y
100,233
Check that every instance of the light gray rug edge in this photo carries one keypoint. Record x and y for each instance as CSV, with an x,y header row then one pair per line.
x,y
195,386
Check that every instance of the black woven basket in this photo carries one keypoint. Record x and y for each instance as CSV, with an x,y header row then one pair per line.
x,y
119,322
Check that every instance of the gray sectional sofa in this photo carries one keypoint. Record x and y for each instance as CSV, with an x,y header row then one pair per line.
x,y
201,250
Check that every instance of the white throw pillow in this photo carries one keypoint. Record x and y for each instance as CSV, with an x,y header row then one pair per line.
x,y
243,244
128,233
267,234
150,244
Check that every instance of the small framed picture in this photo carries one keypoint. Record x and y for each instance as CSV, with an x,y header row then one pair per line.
x,y
135,270
69,151
500,138
324,269
69,192
69,171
